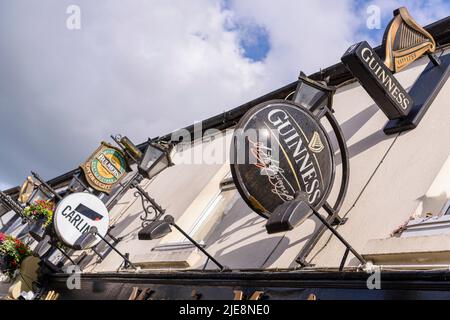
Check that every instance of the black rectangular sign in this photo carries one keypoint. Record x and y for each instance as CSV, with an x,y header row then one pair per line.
x,y
89,213
379,82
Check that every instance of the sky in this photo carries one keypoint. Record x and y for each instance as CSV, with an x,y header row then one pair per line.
x,y
146,68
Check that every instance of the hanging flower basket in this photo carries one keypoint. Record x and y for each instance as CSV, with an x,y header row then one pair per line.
x,y
12,253
41,214
3,262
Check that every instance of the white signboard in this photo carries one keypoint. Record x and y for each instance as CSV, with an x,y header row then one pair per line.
x,y
76,214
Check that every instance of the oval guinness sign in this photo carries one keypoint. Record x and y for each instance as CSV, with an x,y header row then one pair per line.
x,y
279,148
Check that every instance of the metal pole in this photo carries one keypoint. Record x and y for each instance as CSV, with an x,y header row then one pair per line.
x,y
117,141
344,259
117,251
337,234
81,183
113,201
46,185
150,199
64,253
12,204
434,59
221,267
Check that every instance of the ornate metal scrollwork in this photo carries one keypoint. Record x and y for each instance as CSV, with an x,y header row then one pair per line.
x,y
150,213
152,210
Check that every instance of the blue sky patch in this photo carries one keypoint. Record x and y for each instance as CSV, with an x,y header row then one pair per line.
x,y
254,39
255,43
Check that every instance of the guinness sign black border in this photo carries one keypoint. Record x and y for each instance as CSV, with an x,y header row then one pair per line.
x,y
313,104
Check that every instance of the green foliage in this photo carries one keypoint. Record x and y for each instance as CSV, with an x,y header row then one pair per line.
x,y
40,210
13,252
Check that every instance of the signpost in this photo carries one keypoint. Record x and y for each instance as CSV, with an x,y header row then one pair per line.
x,y
105,168
379,82
76,214
283,165
289,152
404,42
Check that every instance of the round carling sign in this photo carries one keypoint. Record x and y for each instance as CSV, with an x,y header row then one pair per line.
x,y
76,214
280,148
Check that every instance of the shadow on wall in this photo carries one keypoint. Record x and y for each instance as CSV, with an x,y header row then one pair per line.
x,y
255,252
239,217
241,225
351,127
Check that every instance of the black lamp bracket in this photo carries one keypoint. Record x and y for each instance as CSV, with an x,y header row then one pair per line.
x,y
152,210
324,111
127,263
116,138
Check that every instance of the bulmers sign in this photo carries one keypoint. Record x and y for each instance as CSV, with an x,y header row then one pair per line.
x,y
279,148
76,214
105,168
376,78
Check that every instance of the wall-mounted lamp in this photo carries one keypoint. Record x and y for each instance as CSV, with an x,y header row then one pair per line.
x,y
313,94
289,215
155,230
154,160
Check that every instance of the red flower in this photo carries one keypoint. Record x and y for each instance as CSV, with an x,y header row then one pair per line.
x,y
2,236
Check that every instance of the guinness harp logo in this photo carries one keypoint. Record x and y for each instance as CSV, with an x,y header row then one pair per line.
x,y
405,41
316,145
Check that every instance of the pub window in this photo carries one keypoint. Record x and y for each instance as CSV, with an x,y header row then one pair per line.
x,y
210,216
213,213
447,208
432,215
435,201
